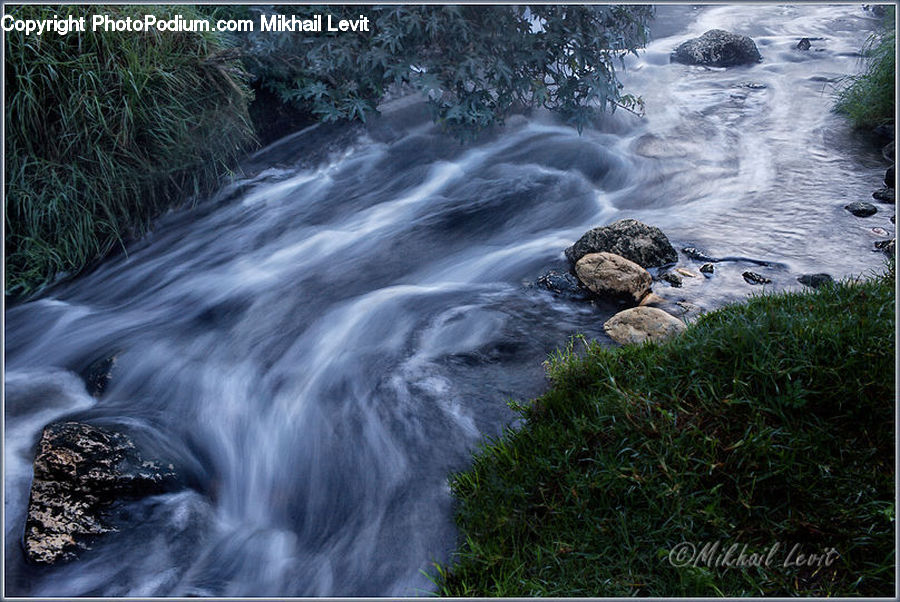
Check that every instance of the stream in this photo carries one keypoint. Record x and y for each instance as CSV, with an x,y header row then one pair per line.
x,y
320,344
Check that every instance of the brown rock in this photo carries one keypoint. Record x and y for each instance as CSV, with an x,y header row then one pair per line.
x,y
78,470
640,324
611,276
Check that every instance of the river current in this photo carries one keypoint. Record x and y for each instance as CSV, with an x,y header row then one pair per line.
x,y
321,343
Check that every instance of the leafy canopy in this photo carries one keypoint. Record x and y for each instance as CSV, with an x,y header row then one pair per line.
x,y
474,64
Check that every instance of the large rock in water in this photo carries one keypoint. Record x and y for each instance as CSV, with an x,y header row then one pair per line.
x,y
611,276
645,245
640,324
79,469
718,48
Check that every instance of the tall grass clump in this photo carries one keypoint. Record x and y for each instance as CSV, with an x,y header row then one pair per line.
x,y
768,424
868,99
106,130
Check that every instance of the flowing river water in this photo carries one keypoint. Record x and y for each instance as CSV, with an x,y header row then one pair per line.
x,y
320,344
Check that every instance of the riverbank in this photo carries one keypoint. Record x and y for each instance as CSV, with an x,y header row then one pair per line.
x,y
767,426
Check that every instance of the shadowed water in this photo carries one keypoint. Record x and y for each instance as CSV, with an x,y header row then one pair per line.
x,y
319,345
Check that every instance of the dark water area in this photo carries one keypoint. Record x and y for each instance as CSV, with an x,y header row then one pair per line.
x,y
320,344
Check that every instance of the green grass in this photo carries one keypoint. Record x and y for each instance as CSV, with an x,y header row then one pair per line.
x,y
868,99
769,421
106,131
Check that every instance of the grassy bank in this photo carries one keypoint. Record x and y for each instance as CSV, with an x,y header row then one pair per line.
x,y
868,99
104,132
770,422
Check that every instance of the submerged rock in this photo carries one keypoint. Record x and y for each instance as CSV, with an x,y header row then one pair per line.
x,y
717,48
885,195
645,245
889,177
97,376
672,278
754,278
803,44
640,324
707,269
79,469
608,275
815,280
861,209
563,284
886,246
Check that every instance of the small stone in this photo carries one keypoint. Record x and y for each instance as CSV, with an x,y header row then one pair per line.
x,y
754,278
671,278
815,280
803,44
885,195
562,284
686,272
861,209
652,299
889,177
695,253
640,324
608,275
886,246
878,231
707,269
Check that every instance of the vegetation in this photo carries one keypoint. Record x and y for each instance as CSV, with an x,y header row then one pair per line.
x,y
103,132
474,64
766,422
868,99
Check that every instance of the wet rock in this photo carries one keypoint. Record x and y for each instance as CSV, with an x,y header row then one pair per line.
x,y
885,195
563,284
717,48
879,231
707,269
886,246
645,245
815,280
672,278
97,376
640,324
803,44
697,254
80,469
611,276
889,177
686,272
861,209
893,217
754,278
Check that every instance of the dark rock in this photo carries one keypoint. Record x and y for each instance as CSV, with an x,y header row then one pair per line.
x,y
889,177
645,245
672,278
563,284
97,376
79,469
697,254
861,209
717,48
754,278
886,246
803,44
707,269
885,130
885,195
815,280
893,217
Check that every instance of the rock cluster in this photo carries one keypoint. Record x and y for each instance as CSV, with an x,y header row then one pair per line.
x,y
78,471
